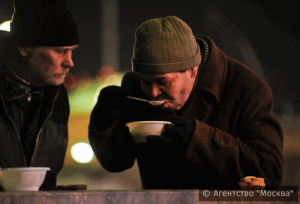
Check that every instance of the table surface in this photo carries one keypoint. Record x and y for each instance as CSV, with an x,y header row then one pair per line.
x,y
135,197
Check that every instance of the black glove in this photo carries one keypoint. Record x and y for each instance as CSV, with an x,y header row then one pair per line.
x,y
112,102
176,136
113,98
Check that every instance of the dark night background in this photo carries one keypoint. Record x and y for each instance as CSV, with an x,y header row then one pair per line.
x,y
263,34
271,28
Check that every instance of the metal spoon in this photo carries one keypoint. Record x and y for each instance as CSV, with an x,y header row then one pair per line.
x,y
153,103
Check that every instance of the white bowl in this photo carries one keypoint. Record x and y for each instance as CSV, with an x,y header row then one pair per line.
x,y
22,179
139,130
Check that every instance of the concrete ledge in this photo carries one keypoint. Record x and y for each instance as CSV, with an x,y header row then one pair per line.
x,y
103,197
115,197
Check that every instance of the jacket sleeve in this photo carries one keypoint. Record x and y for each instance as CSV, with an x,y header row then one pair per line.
x,y
253,149
113,147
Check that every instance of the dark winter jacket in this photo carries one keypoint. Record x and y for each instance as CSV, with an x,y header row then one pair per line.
x,y
50,139
236,133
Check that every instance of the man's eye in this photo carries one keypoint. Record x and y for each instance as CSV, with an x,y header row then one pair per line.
x,y
59,51
163,83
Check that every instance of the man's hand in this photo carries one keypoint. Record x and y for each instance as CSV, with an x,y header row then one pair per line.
x,y
112,102
113,98
177,135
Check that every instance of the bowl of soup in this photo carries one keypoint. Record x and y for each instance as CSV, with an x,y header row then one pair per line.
x,y
139,130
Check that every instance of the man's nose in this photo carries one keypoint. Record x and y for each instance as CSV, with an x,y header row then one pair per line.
x,y
68,62
154,91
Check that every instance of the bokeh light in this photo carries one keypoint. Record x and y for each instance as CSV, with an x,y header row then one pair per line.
x,y
104,72
82,152
69,82
5,25
83,102
115,80
83,80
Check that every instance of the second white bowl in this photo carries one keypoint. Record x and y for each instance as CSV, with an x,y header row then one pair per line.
x,y
22,179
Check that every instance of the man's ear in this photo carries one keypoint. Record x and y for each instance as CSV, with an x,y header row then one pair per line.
x,y
194,71
23,51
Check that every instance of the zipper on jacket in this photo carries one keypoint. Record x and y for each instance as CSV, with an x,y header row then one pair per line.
x,y
19,139
38,136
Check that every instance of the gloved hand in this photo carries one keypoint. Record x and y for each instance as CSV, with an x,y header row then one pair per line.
x,y
112,102
177,136
113,98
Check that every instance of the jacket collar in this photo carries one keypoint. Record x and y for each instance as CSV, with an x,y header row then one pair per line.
x,y
13,87
215,70
210,83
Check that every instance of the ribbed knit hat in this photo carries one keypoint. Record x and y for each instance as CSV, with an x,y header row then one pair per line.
x,y
43,23
164,45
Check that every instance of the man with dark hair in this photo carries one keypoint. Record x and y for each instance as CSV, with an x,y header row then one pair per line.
x,y
223,128
35,57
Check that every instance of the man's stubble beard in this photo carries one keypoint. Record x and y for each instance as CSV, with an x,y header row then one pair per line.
x,y
179,105
39,66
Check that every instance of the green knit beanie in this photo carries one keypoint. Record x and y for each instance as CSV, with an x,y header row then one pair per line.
x,y
164,45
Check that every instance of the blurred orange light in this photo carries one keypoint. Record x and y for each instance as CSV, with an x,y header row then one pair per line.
x,y
69,82
83,80
104,72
